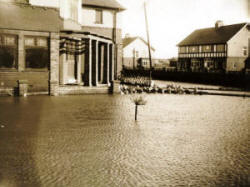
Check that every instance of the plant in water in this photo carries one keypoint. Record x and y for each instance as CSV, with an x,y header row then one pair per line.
x,y
138,100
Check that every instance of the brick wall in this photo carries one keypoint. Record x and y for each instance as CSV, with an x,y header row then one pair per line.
x,y
37,81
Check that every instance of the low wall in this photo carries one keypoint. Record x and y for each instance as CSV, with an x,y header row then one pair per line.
x,y
224,79
78,90
37,81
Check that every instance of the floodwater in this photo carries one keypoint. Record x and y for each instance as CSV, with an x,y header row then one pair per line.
x,y
93,140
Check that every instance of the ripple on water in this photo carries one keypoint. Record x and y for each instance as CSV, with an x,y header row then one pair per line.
x,y
94,141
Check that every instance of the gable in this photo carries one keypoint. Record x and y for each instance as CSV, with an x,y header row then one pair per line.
x,y
131,40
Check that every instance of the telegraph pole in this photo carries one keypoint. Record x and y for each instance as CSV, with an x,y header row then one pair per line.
x,y
149,46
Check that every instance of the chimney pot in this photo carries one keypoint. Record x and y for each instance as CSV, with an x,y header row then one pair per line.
x,y
218,24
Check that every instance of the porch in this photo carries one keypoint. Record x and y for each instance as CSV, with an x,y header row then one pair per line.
x,y
86,60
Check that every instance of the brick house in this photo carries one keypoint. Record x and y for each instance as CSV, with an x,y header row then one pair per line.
x,y
135,52
28,42
60,46
218,49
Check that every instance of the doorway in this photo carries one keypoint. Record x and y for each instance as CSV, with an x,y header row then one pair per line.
x,y
72,68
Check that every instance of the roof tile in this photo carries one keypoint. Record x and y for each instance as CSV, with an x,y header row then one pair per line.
x,y
212,35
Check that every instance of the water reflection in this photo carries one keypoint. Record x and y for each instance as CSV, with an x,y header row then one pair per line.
x,y
94,141
17,142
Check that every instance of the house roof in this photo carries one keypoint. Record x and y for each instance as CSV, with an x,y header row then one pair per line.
x,y
27,17
212,35
128,40
110,4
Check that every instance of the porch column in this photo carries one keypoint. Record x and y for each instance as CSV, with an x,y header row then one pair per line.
x,y
78,73
101,63
107,63
95,63
88,65
63,68
111,62
54,64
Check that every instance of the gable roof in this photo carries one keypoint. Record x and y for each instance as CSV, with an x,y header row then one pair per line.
x,y
128,40
212,35
27,17
110,4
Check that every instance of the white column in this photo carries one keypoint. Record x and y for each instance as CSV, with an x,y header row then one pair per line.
x,y
88,65
112,63
102,64
95,64
108,58
78,69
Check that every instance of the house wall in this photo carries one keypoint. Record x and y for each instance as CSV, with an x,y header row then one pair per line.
x,y
235,63
129,62
236,57
137,45
88,18
50,3
38,79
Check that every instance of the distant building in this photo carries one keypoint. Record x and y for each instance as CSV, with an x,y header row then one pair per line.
x,y
60,46
135,52
218,49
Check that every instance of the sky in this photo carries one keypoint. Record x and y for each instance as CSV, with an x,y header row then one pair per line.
x,y
170,21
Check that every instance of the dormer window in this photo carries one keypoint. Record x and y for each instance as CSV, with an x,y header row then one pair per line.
x,y
98,16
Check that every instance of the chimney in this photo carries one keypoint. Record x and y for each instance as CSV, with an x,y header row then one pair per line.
x,y
218,24
127,35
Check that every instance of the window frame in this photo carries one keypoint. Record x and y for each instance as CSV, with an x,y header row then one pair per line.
x,y
36,46
13,46
245,51
205,50
100,20
191,47
218,47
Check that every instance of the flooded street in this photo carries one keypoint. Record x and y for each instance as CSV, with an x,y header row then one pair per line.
x,y
93,140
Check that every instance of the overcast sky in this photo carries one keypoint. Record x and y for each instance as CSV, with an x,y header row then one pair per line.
x,y
170,21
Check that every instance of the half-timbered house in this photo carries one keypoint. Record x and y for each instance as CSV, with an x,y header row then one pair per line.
x,y
218,49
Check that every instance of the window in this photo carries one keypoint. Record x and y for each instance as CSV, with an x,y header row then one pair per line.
x,y
98,16
193,49
207,48
182,49
136,54
8,51
245,51
220,48
36,52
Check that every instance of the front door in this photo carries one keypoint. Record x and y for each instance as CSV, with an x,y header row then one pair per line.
x,y
71,74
